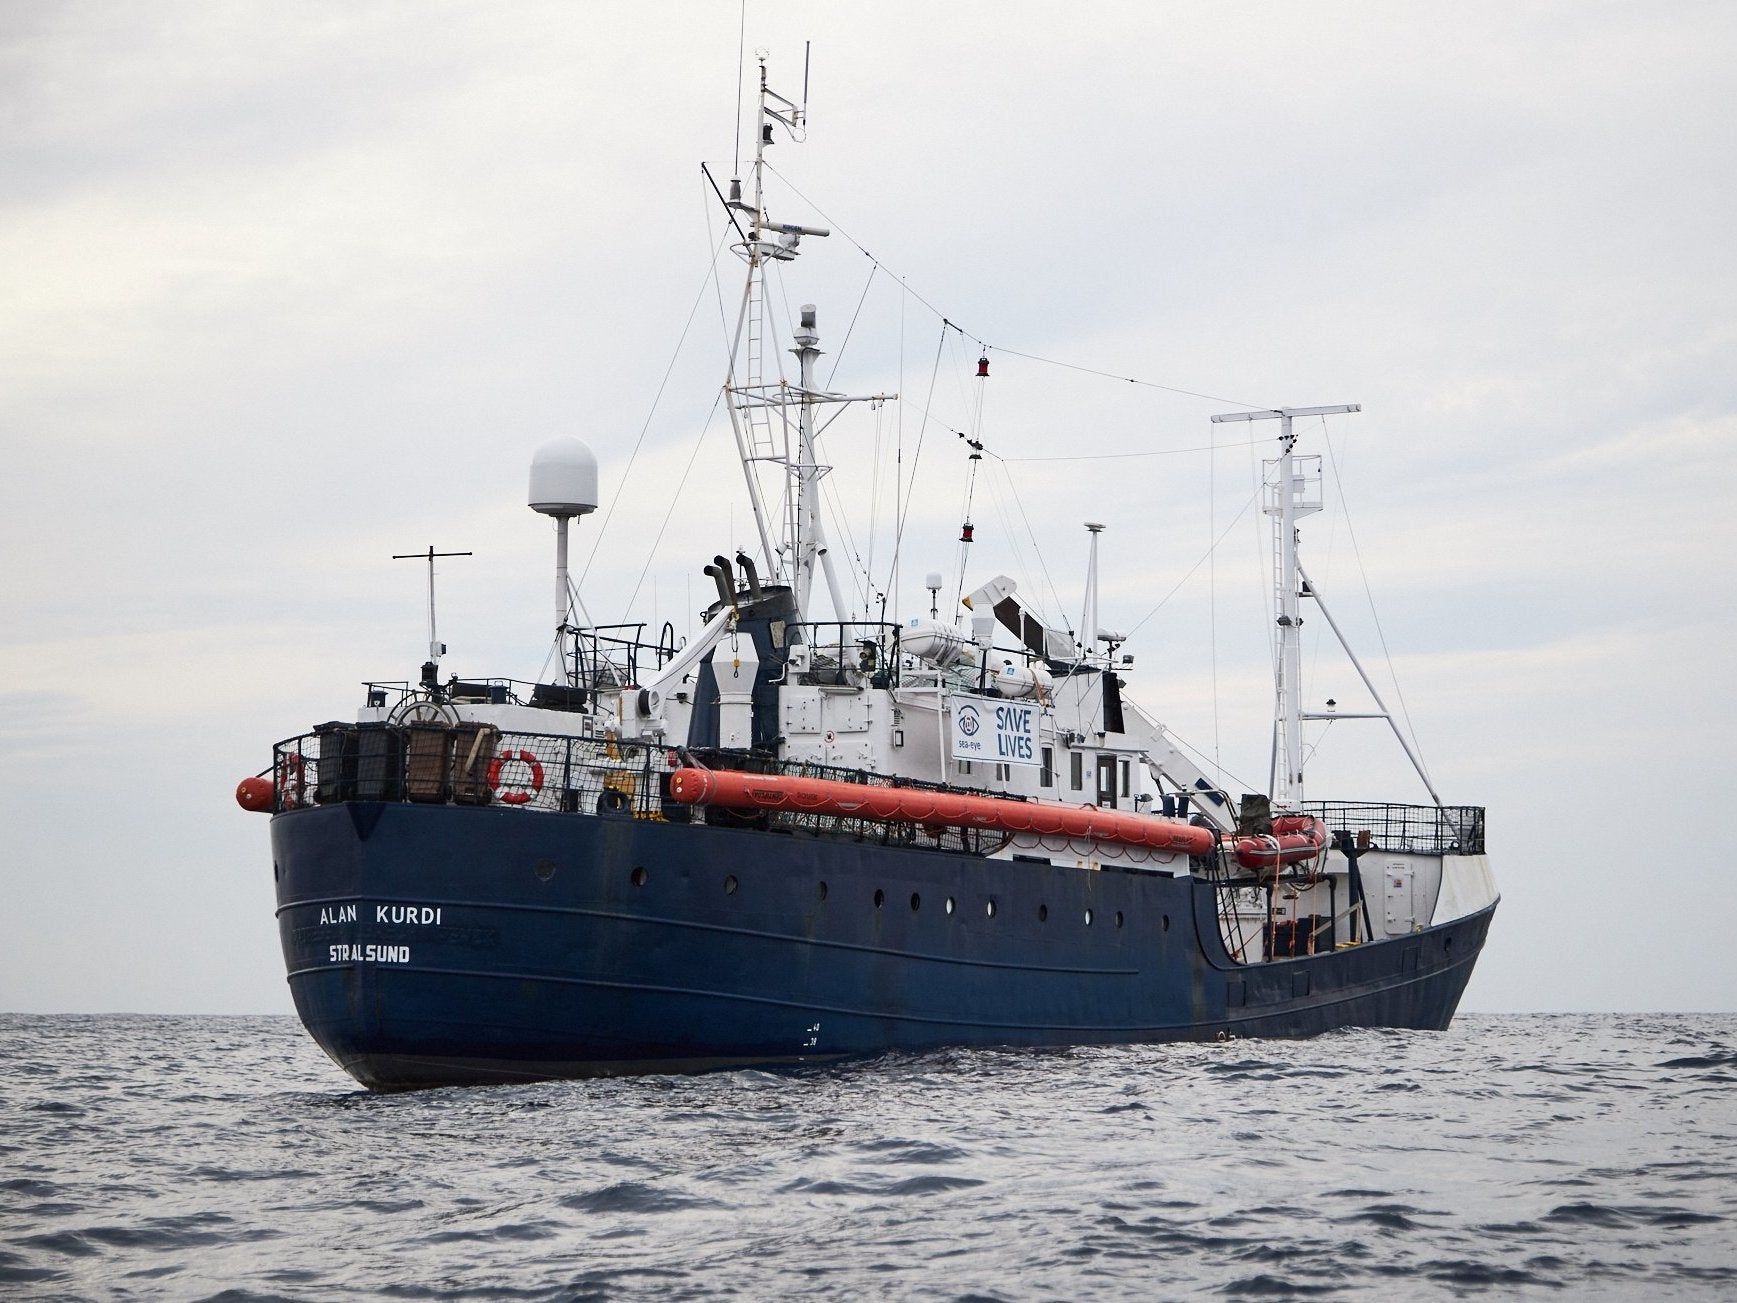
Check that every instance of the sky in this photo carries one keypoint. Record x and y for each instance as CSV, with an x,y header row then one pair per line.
x,y
286,289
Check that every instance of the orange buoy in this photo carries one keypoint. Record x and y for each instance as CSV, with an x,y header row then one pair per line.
x,y
254,794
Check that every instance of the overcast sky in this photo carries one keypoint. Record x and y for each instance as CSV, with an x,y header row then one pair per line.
x,y
288,288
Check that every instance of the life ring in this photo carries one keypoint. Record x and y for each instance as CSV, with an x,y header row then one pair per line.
x,y
523,792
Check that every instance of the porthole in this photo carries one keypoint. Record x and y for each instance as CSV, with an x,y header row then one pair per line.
x,y
1043,913
637,877
949,904
823,891
880,898
1166,922
1088,918
1118,918
916,902
730,885
989,907
545,869
276,872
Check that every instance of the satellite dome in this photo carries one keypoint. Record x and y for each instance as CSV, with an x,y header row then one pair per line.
x,y
563,479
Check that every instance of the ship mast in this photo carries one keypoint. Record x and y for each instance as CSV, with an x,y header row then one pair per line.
x,y
1288,498
762,408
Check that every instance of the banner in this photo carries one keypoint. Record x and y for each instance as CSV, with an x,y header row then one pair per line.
x,y
995,731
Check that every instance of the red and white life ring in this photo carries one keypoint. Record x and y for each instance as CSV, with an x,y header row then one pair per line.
x,y
519,793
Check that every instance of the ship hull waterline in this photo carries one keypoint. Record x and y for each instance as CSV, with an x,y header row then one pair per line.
x,y
433,945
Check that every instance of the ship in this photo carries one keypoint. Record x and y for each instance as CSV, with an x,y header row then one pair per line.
x,y
787,840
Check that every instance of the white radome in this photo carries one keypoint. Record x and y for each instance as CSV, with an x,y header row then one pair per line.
x,y
563,479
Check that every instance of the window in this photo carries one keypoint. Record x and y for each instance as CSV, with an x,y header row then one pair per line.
x,y
964,766
1076,770
1126,775
1046,772
1003,773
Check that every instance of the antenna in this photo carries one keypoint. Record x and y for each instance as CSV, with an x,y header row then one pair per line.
x,y
436,648
563,485
807,48
1089,616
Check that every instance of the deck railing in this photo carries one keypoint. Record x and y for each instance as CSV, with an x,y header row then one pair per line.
x,y
477,764
1419,829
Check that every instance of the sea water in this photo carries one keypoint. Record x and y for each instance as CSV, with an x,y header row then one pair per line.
x,y
1566,1157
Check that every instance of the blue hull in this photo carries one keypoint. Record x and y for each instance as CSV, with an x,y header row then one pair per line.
x,y
445,944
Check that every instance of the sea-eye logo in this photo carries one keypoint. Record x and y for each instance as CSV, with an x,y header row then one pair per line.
x,y
968,721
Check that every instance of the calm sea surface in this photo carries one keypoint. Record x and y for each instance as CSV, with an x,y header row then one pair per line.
x,y
1566,1157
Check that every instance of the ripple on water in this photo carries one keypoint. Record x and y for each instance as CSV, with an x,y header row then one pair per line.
x,y
634,1197
202,1158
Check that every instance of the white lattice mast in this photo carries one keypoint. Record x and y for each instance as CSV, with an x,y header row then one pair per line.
x,y
1288,498
761,408
758,414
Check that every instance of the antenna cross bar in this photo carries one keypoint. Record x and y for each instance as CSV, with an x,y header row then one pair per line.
x,y
1278,413
435,646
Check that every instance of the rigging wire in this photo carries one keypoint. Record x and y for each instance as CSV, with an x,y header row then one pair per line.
x,y
917,455
1369,596
973,462
1212,588
1243,511
718,245
621,483
657,539
741,59
1183,745
899,440
1037,551
863,581
850,329
1314,657
1033,357
1133,380
1119,456
868,563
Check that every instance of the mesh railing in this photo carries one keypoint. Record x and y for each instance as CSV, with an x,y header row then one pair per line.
x,y
1420,829
470,764
477,764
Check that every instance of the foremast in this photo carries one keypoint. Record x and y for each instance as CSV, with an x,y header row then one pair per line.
x,y
1292,493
